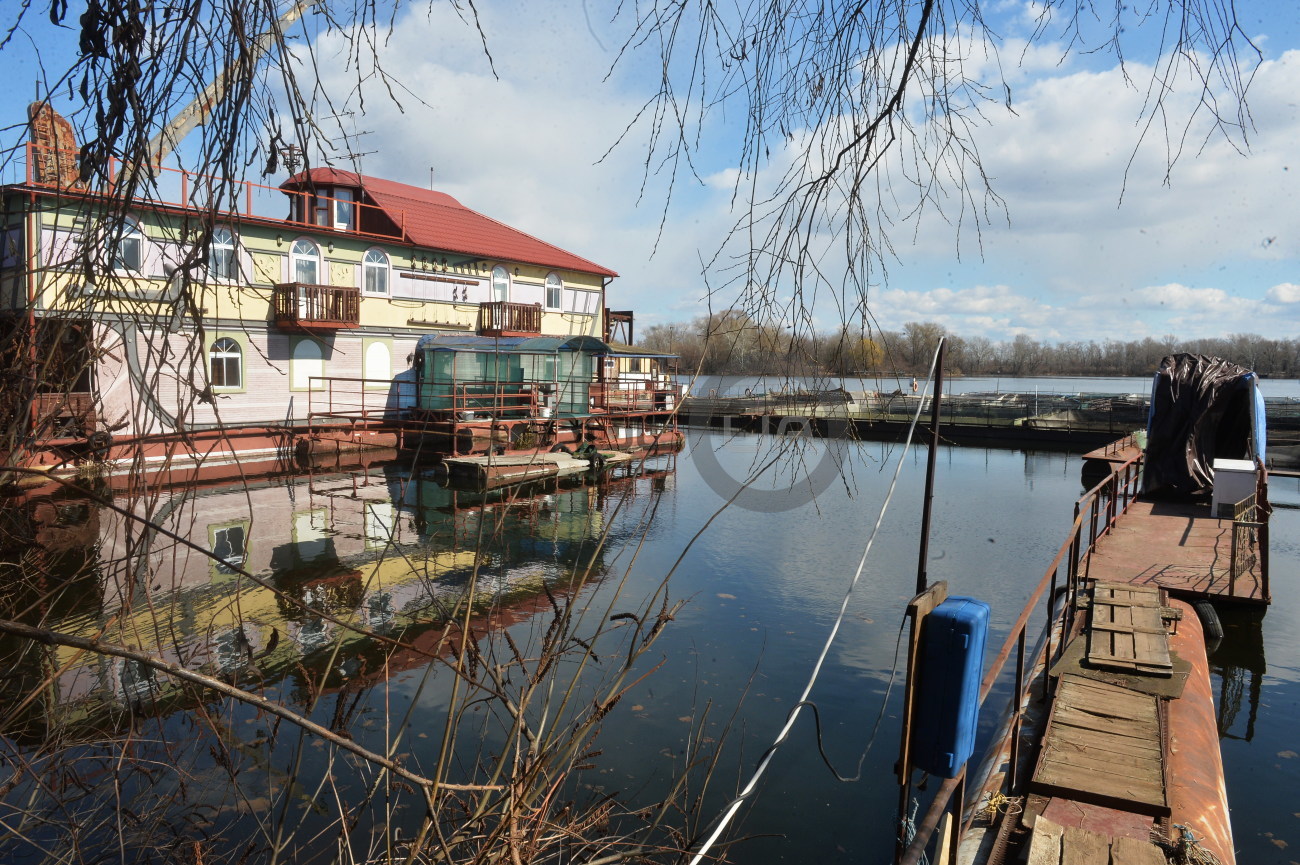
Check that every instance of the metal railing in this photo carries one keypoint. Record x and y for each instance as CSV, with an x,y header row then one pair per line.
x,y
210,193
64,415
358,399
321,306
470,400
645,397
1095,513
1248,552
1067,413
500,317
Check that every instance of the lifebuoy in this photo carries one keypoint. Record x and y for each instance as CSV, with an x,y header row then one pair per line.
x,y
100,440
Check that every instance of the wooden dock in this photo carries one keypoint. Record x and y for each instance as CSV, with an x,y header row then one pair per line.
x,y
1180,547
1124,753
492,471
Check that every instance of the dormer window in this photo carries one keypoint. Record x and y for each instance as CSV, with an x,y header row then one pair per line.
x,y
345,210
330,207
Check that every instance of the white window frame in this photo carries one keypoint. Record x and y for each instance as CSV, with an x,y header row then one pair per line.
x,y
129,244
225,349
500,284
299,256
379,267
223,259
345,210
554,291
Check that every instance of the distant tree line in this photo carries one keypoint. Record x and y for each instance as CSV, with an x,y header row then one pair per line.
x,y
734,343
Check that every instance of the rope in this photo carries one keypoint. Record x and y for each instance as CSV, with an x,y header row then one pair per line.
x,y
909,831
734,806
1000,803
1186,849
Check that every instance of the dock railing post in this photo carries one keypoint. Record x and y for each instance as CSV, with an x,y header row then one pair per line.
x,y
1020,684
919,607
1072,569
931,463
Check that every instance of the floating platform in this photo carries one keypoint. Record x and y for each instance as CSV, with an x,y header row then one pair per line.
x,y
492,471
1181,547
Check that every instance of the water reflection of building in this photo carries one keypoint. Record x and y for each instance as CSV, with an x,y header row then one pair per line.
x,y
383,549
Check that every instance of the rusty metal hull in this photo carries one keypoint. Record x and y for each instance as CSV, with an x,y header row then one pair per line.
x,y
1198,795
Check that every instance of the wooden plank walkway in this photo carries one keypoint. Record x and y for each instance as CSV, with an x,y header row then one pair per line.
x,y
1053,844
1126,631
1177,546
1103,745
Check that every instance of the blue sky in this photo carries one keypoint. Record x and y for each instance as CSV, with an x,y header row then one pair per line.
x,y
1212,251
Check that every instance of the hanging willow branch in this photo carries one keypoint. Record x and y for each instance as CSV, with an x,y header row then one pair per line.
x,y
54,638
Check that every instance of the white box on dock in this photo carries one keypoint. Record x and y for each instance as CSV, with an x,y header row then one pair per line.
x,y
1234,480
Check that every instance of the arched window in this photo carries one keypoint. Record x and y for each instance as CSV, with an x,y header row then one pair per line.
x,y
378,361
374,272
306,363
304,262
554,290
226,364
128,254
500,284
221,255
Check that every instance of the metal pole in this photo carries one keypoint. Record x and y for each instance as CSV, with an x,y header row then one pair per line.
x,y
922,577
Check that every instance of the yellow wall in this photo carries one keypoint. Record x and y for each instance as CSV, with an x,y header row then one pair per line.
x,y
263,252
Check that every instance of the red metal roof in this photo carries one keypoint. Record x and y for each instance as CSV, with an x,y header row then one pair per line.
x,y
436,220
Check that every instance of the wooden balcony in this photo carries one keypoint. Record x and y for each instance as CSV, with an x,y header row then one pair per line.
x,y
303,306
500,318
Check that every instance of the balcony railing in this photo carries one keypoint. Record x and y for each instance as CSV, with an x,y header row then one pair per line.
x,y
501,318
316,307
634,397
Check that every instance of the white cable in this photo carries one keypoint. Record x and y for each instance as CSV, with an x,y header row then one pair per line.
x,y
749,788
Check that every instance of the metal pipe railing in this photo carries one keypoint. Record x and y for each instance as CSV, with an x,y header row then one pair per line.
x,y
1118,486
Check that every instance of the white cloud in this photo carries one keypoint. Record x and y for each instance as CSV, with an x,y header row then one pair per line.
x,y
1212,249
1286,292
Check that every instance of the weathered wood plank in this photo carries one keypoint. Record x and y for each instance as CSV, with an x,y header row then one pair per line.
x,y
1103,745
1126,631
1082,765
1131,747
1130,851
1129,588
1081,847
1114,726
1045,843
1098,780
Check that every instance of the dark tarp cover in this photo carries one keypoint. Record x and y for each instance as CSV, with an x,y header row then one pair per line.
x,y
1202,409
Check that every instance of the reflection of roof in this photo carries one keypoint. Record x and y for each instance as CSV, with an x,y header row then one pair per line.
x,y
511,344
437,220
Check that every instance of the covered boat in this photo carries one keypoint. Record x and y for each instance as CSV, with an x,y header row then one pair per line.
x,y
1203,409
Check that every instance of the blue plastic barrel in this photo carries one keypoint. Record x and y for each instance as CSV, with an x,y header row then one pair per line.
x,y
950,665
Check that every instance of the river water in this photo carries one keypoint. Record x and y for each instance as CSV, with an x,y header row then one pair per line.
x,y
762,580
737,385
